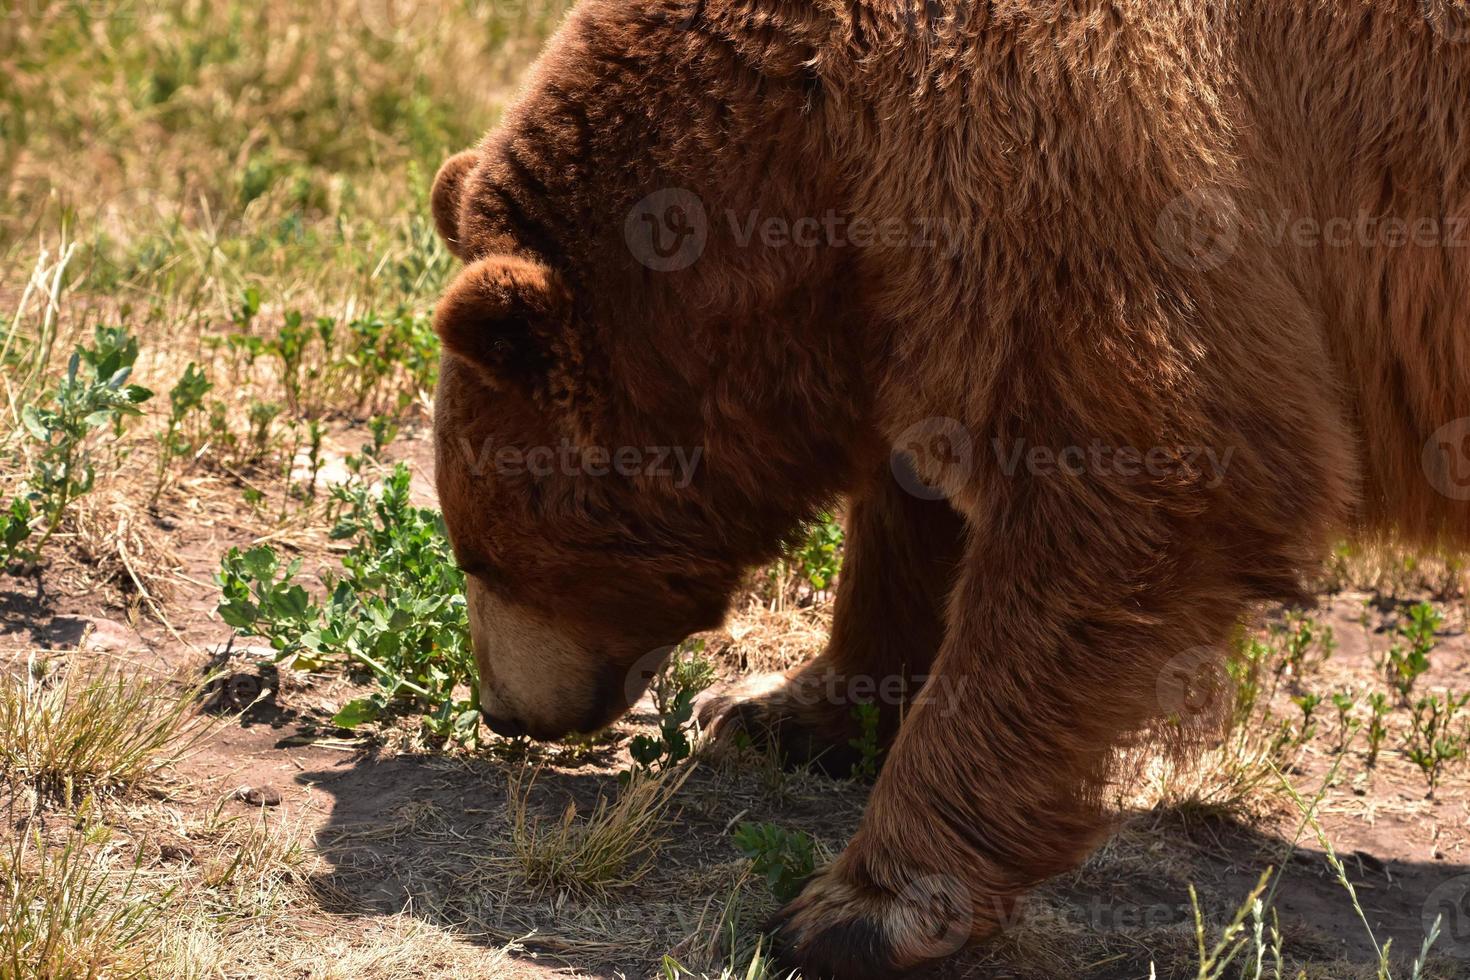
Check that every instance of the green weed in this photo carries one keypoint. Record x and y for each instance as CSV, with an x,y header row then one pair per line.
x,y
1378,708
185,399
818,558
93,395
869,753
1347,725
1434,739
785,859
1408,657
397,613
674,690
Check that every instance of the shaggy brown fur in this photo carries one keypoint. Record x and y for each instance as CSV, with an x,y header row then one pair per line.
x,y
1064,159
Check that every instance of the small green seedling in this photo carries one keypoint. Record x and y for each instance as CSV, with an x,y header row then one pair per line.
x,y
674,690
1347,725
784,858
1377,730
1408,658
866,767
1308,703
1434,740
313,455
94,394
262,415
184,399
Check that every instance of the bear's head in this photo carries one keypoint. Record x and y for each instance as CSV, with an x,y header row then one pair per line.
x,y
585,563
617,445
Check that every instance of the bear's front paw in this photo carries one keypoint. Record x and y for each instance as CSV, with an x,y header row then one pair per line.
x,y
843,926
792,723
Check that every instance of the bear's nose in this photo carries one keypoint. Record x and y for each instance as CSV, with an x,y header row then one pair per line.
x,y
507,727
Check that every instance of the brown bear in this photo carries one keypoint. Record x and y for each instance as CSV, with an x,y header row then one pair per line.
x,y
1105,317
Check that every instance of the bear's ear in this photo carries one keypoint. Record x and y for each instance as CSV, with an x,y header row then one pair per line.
x,y
445,199
507,316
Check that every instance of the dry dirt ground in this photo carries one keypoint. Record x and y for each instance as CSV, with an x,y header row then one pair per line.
x,y
393,857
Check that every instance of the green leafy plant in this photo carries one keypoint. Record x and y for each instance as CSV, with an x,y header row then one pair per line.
x,y
15,529
818,558
1308,703
1302,636
869,753
184,399
373,362
261,598
1377,730
262,415
674,690
1433,738
397,613
94,394
783,858
400,609
1347,725
1408,658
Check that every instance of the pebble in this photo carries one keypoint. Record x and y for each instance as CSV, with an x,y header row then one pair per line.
x,y
176,852
259,795
106,635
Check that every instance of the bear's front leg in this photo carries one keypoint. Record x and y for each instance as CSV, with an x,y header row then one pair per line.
x,y
900,560
995,782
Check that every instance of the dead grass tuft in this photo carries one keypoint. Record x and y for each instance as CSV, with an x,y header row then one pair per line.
x,y
611,848
92,729
65,913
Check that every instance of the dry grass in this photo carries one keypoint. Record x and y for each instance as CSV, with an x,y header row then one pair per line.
x,y
95,728
594,855
67,910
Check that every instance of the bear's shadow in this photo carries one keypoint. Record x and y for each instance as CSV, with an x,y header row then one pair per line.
x,y
431,836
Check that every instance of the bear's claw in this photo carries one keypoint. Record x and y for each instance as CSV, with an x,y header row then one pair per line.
x,y
824,934
789,729
845,927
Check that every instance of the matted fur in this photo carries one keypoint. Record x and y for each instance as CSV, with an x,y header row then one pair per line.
x,y
1053,145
